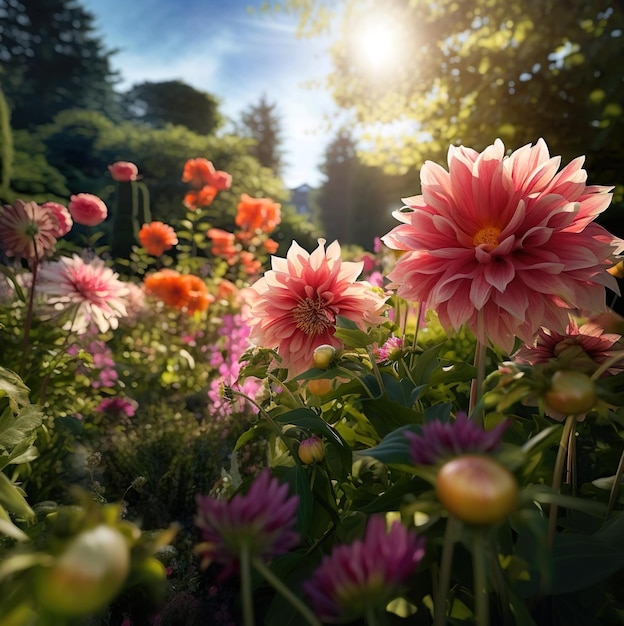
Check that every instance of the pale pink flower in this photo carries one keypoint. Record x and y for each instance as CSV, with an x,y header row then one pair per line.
x,y
92,288
584,349
297,302
123,171
27,230
87,209
63,217
365,575
246,521
504,244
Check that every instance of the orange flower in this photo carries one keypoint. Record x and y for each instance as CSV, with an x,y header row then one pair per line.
x,y
168,286
250,264
258,214
222,242
199,298
226,290
271,246
203,197
181,291
157,237
198,172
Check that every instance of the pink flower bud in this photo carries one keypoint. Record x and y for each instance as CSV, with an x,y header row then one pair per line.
x,y
123,171
311,450
87,209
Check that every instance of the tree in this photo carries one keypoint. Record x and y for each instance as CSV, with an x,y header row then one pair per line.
x,y
467,71
173,102
52,60
261,123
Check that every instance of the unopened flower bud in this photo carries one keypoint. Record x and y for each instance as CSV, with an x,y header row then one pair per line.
x,y
323,356
311,450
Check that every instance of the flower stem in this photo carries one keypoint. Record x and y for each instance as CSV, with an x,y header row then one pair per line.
x,y
557,474
476,388
371,618
245,572
482,609
288,595
444,582
29,314
615,487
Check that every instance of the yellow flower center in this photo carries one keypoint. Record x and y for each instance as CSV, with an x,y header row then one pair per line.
x,y
488,237
313,317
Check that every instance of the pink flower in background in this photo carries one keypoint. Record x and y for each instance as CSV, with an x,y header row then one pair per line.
x,y
117,407
63,218
123,171
246,521
90,286
365,575
505,244
221,180
583,349
27,230
297,302
392,350
87,209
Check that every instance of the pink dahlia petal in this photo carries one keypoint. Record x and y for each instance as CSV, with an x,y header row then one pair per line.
x,y
297,302
62,216
498,232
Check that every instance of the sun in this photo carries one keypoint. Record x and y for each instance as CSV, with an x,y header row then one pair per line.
x,y
375,44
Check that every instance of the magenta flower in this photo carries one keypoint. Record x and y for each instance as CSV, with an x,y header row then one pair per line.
x,y
261,521
439,440
117,407
296,303
27,230
392,350
366,574
583,349
91,287
87,209
63,217
123,171
504,244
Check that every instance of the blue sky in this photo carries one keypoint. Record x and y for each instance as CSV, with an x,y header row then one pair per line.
x,y
219,47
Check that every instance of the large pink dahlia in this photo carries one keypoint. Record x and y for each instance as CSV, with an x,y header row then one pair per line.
x,y
91,289
505,244
296,303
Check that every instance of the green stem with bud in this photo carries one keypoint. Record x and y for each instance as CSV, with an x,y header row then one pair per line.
x,y
444,582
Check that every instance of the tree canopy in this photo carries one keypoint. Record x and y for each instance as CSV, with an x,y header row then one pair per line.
x,y
468,71
51,60
173,102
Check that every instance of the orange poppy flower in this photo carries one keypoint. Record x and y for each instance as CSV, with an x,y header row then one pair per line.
x,y
258,214
199,298
198,172
226,289
168,285
203,197
222,242
250,264
157,237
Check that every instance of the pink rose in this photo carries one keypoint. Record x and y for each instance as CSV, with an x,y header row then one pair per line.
x,y
123,171
87,209
62,217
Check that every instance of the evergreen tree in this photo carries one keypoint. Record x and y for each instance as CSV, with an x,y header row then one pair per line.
x,y
173,102
52,60
261,122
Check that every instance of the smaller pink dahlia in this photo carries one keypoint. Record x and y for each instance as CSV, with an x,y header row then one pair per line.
x,y
87,209
261,521
439,441
297,302
94,289
27,230
123,171
583,349
63,217
365,575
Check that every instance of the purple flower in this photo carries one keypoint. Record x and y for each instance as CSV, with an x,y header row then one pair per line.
x,y
261,521
117,407
366,574
439,440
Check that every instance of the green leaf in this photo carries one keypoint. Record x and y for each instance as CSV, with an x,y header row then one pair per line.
x,y
12,499
394,448
297,477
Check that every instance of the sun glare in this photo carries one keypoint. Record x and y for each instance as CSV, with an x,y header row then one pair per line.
x,y
375,45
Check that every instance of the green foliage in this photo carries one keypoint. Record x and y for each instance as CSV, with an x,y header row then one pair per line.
x,y
172,102
6,148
